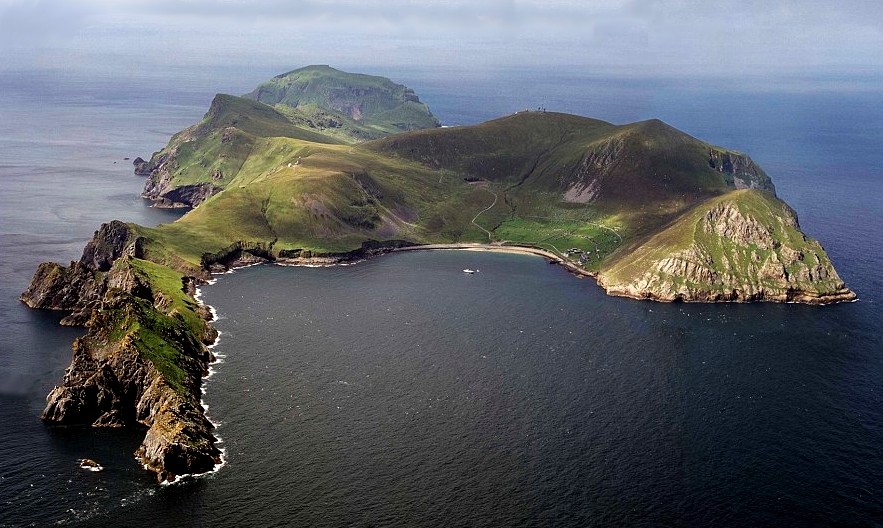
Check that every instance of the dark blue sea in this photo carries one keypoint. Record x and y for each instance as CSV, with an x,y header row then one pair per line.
x,y
402,392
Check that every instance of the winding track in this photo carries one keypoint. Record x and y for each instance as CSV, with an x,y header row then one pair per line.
x,y
490,236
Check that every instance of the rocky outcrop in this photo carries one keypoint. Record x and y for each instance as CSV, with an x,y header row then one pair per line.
x,y
242,253
159,171
80,287
368,249
160,189
592,169
141,361
55,287
237,255
142,167
109,243
739,170
737,256
118,382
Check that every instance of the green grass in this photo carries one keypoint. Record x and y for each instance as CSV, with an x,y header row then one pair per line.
x,y
298,194
360,106
170,283
734,263
592,241
161,336
158,337
645,186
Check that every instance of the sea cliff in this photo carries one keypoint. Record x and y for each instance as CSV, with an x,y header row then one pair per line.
x,y
744,247
143,357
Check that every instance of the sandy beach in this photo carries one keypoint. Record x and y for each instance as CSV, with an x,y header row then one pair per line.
x,y
524,250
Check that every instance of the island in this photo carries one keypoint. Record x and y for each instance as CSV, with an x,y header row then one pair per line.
x,y
322,166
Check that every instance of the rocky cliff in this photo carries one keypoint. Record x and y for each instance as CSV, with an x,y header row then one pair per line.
x,y
160,188
745,247
142,359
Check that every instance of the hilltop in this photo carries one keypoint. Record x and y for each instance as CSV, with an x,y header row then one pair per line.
x,y
356,105
319,165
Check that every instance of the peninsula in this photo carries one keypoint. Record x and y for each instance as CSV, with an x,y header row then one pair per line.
x,y
319,165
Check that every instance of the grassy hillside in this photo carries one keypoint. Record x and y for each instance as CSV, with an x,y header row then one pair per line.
x,y
316,104
614,200
742,244
360,106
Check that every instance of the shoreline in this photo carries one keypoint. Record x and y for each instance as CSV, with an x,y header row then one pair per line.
x,y
494,248
216,360
710,297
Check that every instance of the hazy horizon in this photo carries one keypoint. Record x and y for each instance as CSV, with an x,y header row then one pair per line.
x,y
753,41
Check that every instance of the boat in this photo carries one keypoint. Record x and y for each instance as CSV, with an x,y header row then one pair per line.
x,y
467,270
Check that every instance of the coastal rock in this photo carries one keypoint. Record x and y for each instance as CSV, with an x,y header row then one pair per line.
x,y
728,221
164,193
80,287
140,363
368,249
739,253
109,243
129,381
55,287
89,464
740,171
178,440
142,167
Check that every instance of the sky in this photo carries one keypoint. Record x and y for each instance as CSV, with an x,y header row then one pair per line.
x,y
624,37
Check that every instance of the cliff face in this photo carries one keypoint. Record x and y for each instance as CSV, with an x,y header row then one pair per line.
x,y
747,248
160,189
75,288
120,376
80,287
143,357
739,170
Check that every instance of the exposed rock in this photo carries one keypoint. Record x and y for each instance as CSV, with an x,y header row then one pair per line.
x,y
727,221
595,165
368,249
89,464
741,170
109,243
190,195
236,255
113,383
77,318
55,287
142,167
164,193
116,378
755,263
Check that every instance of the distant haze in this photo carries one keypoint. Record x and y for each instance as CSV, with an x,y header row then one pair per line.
x,y
631,37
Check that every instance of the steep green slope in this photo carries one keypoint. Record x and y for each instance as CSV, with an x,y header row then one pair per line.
x,y
360,106
622,201
201,160
300,195
585,189
315,104
585,159
745,245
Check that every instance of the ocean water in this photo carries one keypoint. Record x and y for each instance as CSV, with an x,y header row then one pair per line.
x,y
401,391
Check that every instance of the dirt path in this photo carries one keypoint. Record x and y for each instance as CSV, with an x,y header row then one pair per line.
x,y
490,235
